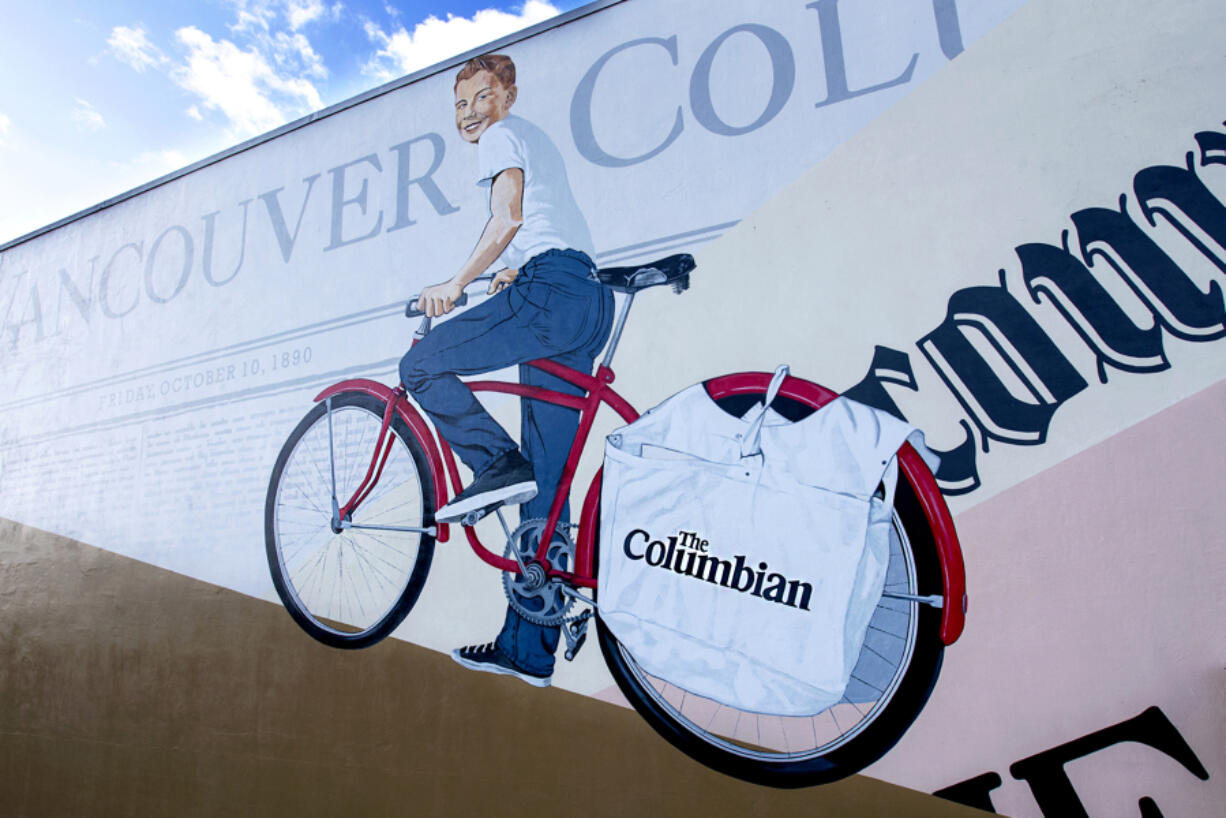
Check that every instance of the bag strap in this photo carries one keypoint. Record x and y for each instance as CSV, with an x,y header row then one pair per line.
x,y
751,443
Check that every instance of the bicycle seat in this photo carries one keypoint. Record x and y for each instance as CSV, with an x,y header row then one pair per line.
x,y
674,270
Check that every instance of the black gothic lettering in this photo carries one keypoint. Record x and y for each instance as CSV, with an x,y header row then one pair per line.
x,y
1176,302
1021,345
1050,784
973,792
1106,329
1182,198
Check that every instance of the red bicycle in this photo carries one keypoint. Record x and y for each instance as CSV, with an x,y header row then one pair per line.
x,y
350,534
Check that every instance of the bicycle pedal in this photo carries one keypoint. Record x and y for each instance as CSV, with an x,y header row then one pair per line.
x,y
478,514
570,652
576,634
579,626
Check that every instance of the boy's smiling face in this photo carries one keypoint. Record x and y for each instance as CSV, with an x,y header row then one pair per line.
x,y
480,101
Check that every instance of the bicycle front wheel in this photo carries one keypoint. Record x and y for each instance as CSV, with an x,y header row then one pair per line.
x,y
351,588
890,683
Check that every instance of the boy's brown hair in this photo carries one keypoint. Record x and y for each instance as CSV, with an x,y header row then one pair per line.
x,y
499,65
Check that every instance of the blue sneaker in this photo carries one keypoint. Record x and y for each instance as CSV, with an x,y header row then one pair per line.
x,y
488,658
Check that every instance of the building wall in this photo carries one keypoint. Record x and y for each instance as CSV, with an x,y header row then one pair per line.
x,y
1014,238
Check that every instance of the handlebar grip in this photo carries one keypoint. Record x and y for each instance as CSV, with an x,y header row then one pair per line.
x,y
411,311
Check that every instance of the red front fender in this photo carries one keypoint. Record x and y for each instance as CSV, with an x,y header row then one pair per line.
x,y
416,423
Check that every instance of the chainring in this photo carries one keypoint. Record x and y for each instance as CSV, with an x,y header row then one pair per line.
x,y
554,603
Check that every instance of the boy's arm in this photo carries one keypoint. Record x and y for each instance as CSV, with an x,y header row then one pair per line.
x,y
506,215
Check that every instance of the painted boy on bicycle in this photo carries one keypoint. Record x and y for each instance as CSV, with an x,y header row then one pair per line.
x,y
546,304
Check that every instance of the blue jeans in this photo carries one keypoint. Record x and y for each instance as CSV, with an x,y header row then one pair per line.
x,y
552,310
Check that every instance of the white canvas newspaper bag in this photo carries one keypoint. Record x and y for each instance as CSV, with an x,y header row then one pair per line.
x,y
741,558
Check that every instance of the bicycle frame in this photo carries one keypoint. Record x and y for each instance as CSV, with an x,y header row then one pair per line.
x,y
597,390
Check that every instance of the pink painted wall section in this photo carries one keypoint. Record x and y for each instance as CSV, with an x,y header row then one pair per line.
x,y
1096,593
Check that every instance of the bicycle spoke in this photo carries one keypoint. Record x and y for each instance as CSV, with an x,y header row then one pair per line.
x,y
357,604
308,546
388,546
314,509
385,512
875,653
884,632
370,561
322,480
866,683
836,719
853,705
313,571
366,443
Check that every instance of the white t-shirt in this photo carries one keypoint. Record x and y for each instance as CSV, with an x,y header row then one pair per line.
x,y
551,217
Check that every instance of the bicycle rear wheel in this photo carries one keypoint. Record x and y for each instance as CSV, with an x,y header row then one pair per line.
x,y
890,683
348,589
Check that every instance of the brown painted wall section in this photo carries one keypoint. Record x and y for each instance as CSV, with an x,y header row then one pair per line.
x,y
129,690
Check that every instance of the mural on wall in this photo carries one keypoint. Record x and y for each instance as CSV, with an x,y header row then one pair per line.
x,y
1001,222
789,695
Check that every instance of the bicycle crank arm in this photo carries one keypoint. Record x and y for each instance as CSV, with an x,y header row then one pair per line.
x,y
935,600
571,592
405,528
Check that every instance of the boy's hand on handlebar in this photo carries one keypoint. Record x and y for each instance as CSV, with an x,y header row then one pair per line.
x,y
502,279
439,299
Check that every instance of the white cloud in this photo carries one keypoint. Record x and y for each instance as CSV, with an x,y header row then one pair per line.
x,y
6,124
256,86
87,117
300,12
256,22
132,46
263,73
251,15
294,52
433,40
241,84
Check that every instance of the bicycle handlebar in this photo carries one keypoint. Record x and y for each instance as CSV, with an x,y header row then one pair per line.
x,y
411,311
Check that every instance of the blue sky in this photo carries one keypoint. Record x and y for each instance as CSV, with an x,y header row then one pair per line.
x,y
99,97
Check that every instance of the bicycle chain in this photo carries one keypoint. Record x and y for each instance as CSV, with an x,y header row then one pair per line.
x,y
564,548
